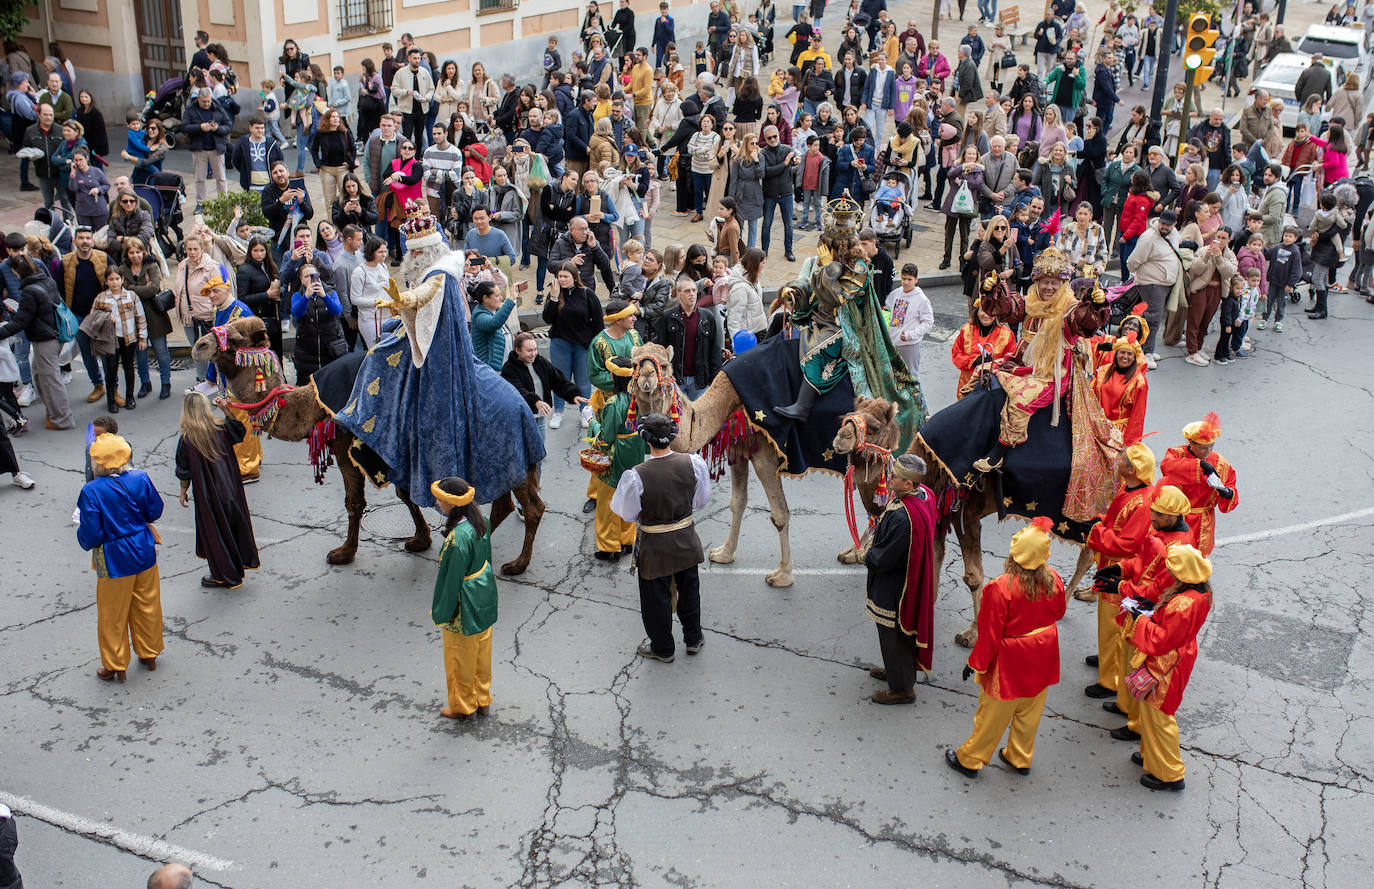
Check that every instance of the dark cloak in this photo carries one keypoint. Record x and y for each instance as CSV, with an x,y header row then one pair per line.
x,y
224,528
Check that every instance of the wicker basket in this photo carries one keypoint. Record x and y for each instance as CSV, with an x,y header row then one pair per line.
x,y
594,461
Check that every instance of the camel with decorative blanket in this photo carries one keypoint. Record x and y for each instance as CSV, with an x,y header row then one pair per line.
x,y
297,414
715,423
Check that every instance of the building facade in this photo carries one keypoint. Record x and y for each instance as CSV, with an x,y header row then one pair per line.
x,y
124,48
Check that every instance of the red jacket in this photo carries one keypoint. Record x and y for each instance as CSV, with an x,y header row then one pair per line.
x,y
1168,639
965,351
1017,653
1180,468
1135,215
1123,528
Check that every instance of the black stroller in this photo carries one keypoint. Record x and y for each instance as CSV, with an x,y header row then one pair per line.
x,y
166,104
165,194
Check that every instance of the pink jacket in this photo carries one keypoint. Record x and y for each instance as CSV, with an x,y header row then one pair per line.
x,y
1249,258
1334,165
937,70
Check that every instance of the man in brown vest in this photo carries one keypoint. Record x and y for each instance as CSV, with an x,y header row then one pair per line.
x,y
661,494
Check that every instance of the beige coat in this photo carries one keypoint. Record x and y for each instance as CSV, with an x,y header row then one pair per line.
x,y
1153,261
1206,265
1348,105
994,121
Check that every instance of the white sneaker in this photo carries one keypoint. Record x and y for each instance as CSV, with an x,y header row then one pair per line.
x,y
1150,362
586,415
555,419
1197,359
1262,324
26,396
67,378
1278,327
22,480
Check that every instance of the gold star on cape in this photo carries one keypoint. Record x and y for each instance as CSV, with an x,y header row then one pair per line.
x,y
758,415
828,454
1030,506
1006,501
1062,527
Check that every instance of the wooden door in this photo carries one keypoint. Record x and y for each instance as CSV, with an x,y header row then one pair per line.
x,y
162,53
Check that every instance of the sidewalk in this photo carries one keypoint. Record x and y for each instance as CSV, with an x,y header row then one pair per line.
x,y
927,244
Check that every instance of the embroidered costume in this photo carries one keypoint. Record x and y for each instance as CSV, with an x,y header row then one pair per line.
x,y
1208,480
464,607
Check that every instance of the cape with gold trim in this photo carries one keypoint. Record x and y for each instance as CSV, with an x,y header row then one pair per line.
x,y
453,415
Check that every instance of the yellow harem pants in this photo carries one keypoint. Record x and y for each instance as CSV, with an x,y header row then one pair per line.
x,y
612,532
992,719
467,670
128,606
249,451
1108,644
1124,699
1159,744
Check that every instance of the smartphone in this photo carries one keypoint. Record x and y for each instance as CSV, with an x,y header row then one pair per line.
x,y
298,183
522,286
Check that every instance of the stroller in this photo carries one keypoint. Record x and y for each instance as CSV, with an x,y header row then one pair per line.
x,y
165,194
167,102
891,219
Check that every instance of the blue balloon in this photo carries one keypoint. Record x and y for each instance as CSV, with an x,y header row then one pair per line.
x,y
744,340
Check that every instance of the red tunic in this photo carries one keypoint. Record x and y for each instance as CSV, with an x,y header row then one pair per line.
x,y
1017,653
1146,574
1123,400
1168,639
1123,528
965,350
1181,469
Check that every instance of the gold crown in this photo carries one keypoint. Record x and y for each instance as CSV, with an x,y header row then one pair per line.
x,y
843,216
1052,263
420,223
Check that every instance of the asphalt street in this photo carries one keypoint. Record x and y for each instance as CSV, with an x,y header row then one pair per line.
x,y
291,737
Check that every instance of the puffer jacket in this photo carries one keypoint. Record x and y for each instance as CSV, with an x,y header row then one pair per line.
x,y
744,305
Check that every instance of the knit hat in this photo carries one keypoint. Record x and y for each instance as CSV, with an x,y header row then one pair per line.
x,y
1170,500
1187,564
1204,431
110,451
1030,547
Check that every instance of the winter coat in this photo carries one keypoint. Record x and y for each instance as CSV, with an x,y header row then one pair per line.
x,y
36,316
1116,182
137,224
957,175
744,308
746,187
147,284
194,115
602,148
671,331
365,218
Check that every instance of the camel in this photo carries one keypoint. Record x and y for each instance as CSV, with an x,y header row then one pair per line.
x,y
655,391
868,455
966,519
298,414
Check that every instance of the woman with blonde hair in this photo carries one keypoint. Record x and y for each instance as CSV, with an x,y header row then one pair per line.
x,y
483,94
117,508
1348,102
1052,130
746,186
601,148
205,464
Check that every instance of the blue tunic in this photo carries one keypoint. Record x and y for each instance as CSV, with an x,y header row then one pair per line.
x,y
115,512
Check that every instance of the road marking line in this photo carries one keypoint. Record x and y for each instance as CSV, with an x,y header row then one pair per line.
x,y
737,569
143,846
1297,529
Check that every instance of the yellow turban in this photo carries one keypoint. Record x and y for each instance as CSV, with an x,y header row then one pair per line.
x,y
1169,500
455,500
1187,565
110,451
1142,460
1030,547
1204,431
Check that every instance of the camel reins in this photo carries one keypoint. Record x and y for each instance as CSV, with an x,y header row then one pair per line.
x,y
263,414
666,381
862,446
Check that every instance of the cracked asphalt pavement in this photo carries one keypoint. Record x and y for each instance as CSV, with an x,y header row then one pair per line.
x,y
292,725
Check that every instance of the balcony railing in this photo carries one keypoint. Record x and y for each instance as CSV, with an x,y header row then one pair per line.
x,y
489,6
361,17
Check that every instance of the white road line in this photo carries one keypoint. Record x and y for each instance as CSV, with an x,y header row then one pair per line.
x,y
1297,529
737,569
143,846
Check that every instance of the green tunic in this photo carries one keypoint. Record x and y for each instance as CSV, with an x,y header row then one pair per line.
x,y
465,590
609,433
601,350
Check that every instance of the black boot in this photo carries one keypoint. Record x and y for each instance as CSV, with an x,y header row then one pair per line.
x,y
799,410
130,402
166,392
1318,311
993,460
144,388
110,406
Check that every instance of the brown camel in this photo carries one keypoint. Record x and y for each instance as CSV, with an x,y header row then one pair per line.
x,y
868,436
301,410
655,390
966,520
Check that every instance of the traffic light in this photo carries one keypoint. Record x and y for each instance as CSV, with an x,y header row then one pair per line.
x,y
1197,47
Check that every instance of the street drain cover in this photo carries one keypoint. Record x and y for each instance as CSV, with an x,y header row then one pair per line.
x,y
392,520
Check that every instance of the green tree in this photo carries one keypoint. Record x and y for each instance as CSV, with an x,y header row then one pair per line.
x,y
13,17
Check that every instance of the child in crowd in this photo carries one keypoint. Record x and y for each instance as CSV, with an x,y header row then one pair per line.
x,y
1251,256
1075,143
720,279
815,182
911,317
1364,257
631,274
1192,154
699,60
130,335
465,600
271,110
1284,273
1249,302
340,94
802,133
1328,250
1227,315
887,203
552,60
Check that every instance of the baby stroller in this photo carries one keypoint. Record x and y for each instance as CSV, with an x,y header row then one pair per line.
x,y
891,218
167,102
164,195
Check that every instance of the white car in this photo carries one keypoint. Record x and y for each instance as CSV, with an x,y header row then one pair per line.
x,y
1280,77
1342,46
